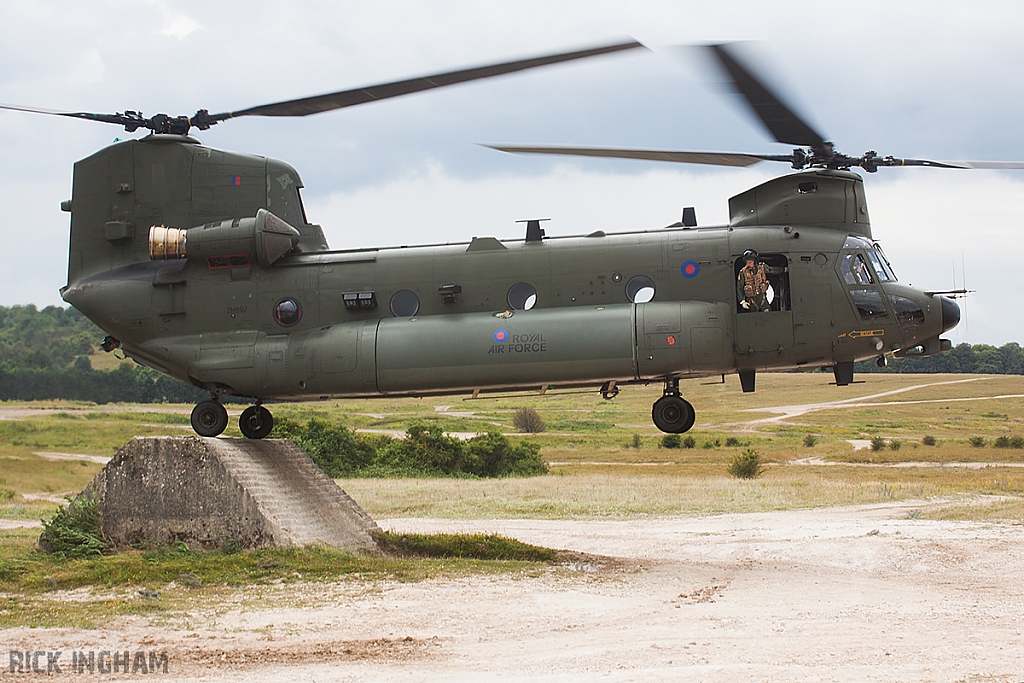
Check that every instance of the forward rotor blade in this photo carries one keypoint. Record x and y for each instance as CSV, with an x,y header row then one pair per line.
x,y
781,121
708,158
348,98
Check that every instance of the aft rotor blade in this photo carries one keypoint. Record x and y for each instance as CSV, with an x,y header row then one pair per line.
x,y
119,119
780,120
348,98
709,158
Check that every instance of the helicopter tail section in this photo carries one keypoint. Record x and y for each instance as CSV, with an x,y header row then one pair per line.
x,y
171,181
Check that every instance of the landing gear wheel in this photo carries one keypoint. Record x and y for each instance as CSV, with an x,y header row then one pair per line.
x,y
673,415
256,422
209,418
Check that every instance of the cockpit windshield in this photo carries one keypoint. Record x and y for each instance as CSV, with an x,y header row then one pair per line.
x,y
880,270
857,242
880,256
855,271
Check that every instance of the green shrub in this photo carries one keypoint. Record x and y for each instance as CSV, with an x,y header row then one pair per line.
x,y
1002,442
746,465
895,444
707,444
75,531
6,493
732,441
492,455
527,420
425,450
672,441
929,441
810,440
635,442
689,442
877,443
334,448
977,441
1017,441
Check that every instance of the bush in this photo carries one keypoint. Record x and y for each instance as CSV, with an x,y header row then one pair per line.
x,y
528,421
672,441
978,441
425,450
1002,442
810,440
635,442
689,442
746,465
895,444
492,455
732,441
929,441
334,448
6,493
1017,441
75,531
877,443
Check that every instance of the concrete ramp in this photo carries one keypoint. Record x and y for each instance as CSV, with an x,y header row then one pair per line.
x,y
211,492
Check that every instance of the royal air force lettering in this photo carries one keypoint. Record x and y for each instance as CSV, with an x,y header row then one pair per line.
x,y
518,343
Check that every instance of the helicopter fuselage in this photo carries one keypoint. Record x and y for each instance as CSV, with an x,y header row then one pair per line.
x,y
299,321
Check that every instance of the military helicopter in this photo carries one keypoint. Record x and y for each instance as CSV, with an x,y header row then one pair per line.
x,y
201,264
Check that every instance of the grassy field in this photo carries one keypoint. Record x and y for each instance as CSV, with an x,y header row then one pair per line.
x,y
590,444
606,461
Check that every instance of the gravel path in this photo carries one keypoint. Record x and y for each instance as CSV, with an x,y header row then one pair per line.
x,y
866,593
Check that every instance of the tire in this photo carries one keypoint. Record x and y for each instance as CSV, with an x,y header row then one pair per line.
x,y
209,418
673,415
256,422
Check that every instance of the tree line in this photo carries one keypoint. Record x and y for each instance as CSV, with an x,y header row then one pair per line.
x,y
44,354
981,359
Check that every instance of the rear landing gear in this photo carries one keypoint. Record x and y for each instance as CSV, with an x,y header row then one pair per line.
x,y
672,413
256,422
209,418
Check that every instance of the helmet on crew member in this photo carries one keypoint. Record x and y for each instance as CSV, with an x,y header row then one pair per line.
x,y
750,255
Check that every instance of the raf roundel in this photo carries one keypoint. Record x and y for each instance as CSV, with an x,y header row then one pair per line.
x,y
500,335
690,269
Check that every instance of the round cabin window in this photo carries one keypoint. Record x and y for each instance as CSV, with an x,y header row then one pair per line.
x,y
404,304
640,289
522,297
287,312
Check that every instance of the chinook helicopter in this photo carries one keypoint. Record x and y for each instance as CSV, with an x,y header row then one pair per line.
x,y
201,264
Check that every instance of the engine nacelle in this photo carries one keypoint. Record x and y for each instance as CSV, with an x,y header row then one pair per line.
x,y
266,238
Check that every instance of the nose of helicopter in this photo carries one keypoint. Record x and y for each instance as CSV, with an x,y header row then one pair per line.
x,y
950,314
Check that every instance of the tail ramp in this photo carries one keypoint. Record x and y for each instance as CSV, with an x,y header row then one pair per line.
x,y
212,492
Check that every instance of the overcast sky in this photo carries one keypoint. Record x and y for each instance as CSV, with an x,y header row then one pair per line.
x,y
937,80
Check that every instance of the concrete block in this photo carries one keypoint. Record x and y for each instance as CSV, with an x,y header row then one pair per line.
x,y
209,492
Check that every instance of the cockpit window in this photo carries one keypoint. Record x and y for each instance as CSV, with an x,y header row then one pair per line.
x,y
855,270
869,304
885,263
857,242
880,270
908,314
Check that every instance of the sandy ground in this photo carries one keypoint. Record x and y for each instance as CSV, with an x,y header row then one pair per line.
x,y
867,593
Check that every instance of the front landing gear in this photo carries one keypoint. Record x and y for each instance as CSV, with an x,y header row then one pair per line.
x,y
209,418
672,413
256,422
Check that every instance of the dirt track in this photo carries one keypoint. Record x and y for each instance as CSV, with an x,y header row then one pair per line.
x,y
842,594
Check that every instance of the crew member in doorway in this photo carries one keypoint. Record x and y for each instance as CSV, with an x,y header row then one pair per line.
x,y
752,283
